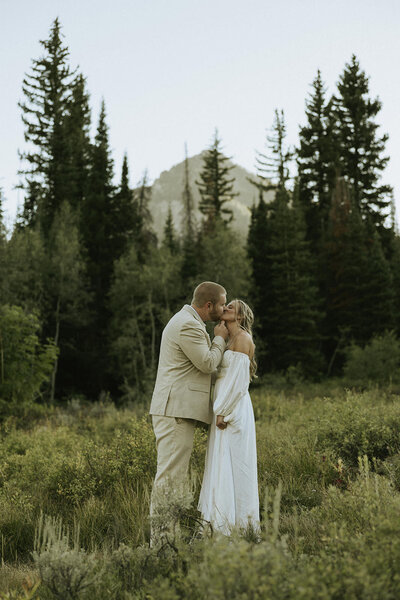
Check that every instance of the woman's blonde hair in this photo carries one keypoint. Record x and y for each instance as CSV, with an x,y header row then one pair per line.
x,y
245,320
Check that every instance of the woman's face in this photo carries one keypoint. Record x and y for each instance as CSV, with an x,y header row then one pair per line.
x,y
230,312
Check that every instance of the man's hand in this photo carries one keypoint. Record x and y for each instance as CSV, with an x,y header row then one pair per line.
x,y
221,423
222,330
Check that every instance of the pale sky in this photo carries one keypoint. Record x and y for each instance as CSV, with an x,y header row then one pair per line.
x,y
171,71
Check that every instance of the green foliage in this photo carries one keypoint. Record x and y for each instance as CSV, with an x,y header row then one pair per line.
x,y
68,572
142,299
25,265
377,362
360,427
359,291
25,363
284,287
215,187
123,223
275,165
97,213
359,148
329,517
315,160
170,240
224,260
47,98
67,296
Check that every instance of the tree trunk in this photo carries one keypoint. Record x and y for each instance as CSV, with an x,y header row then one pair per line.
x,y
153,333
56,339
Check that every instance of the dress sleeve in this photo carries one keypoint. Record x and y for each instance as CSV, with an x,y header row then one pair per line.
x,y
234,385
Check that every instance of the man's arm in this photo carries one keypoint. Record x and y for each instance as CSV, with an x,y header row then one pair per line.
x,y
194,344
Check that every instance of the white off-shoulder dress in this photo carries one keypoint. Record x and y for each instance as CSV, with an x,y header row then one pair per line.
x,y
229,492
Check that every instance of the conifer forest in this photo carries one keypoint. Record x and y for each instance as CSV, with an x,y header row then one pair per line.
x,y
86,288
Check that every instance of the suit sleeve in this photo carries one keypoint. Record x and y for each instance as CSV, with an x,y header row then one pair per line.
x,y
195,345
234,386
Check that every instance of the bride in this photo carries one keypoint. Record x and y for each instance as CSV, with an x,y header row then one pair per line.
x,y
229,492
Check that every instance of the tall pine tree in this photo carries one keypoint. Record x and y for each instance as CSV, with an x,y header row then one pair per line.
x,y
359,283
274,166
316,162
123,223
97,214
144,237
189,266
170,240
215,186
283,272
360,148
47,92
77,131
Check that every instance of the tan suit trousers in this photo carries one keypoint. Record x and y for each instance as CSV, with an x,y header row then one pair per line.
x,y
174,439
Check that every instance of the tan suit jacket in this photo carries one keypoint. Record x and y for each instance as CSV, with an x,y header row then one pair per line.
x,y
187,360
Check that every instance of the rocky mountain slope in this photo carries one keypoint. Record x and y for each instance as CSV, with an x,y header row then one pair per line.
x,y
168,188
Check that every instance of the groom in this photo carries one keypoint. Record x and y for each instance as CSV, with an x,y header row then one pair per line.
x,y
182,392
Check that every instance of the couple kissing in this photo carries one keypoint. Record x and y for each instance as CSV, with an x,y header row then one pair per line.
x,y
184,396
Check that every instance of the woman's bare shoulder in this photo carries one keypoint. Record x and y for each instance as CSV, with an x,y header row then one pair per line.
x,y
244,343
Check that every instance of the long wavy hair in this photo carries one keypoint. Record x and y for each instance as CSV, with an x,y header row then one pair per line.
x,y
245,320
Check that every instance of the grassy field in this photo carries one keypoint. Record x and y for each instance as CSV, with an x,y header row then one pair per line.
x,y
74,502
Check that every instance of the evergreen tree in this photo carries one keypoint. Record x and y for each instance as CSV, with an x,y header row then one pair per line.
x,y
224,259
77,130
97,214
170,240
25,265
67,301
124,213
143,298
359,284
97,218
316,162
188,219
215,187
360,149
378,300
47,92
283,277
189,229
260,274
3,253
293,315
143,235
275,166
395,270
284,287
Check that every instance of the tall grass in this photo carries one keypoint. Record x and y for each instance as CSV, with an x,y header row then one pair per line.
x,y
329,477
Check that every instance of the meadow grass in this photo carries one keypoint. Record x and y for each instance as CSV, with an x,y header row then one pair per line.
x,y
329,482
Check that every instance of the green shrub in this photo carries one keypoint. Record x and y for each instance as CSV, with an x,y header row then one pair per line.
x,y
25,363
377,362
359,426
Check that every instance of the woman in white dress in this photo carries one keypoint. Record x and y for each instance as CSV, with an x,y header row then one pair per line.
x,y
229,492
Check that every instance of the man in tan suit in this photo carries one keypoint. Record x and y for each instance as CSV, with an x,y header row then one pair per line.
x,y
182,392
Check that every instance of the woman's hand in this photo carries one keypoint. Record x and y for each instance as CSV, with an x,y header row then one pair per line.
x,y
221,423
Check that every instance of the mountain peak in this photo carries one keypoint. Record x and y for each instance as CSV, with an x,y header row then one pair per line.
x,y
167,190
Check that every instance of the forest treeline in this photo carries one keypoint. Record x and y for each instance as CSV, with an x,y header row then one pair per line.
x,y
86,287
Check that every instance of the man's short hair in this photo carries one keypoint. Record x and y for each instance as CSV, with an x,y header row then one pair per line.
x,y
208,291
